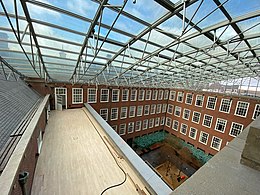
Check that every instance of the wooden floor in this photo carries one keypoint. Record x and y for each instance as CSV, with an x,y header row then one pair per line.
x,y
75,160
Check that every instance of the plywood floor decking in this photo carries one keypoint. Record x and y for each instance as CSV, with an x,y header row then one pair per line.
x,y
74,159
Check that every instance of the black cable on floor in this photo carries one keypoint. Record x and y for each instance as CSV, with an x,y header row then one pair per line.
x,y
125,176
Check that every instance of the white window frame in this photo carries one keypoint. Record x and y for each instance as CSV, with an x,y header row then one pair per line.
x,y
172,95
166,95
162,122
212,143
183,114
151,123
137,113
146,108
141,95
180,94
233,123
164,108
158,108
123,109
160,95
182,127
124,129
170,109
157,122
216,124
133,95
201,136
100,113
204,120
248,104
173,122
138,124
80,95
231,101
154,95
168,122
207,106
125,95
153,109
130,124
101,94
148,96
200,100
118,94
112,114
193,117
145,124
255,110
187,98
176,107
196,130
132,110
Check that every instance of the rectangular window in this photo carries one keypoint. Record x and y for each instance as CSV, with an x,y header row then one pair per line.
x,y
216,143
146,109
166,94
133,95
196,117
125,94
204,137
207,120
153,108
211,104
170,109
172,95
132,111
168,122
148,95
104,113
77,96
115,95
175,125
177,111
162,120
155,92
92,95
256,111
189,97
141,95
145,124
104,97
139,111
114,114
122,129
199,100
180,96
221,125
160,95
123,113
193,133
164,108
184,128
235,129
138,125
186,114
225,105
157,122
242,108
131,127
151,122
159,107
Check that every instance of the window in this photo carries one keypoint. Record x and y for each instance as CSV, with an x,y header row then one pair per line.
x,y
122,129
225,105
166,94
151,122
184,128
77,96
211,104
115,95
146,109
159,107
141,95
133,95
221,125
155,92
114,114
196,117
125,93
193,133
164,108
199,100
204,137
170,109
207,120
189,97
148,95
114,127
157,122
168,122
138,125
175,125
256,111
145,124
241,109
216,143
236,129
186,114
177,111
180,96
104,113
131,127
92,95
153,108
132,111
104,97
123,114
162,120
160,95
139,111
172,95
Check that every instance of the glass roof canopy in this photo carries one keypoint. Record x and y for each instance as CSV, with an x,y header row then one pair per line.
x,y
154,43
